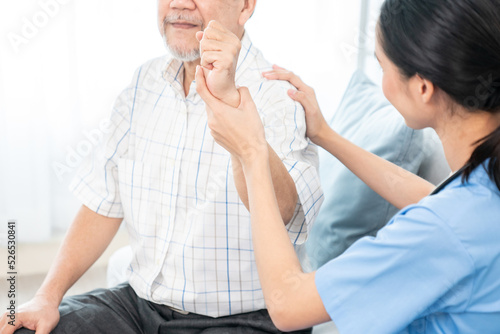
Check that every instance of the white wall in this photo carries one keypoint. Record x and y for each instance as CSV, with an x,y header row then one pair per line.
x,y
62,64
314,39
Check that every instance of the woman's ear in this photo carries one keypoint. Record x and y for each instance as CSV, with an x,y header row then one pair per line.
x,y
422,88
247,11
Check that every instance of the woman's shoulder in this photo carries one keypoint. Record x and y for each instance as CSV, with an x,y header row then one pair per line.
x,y
477,196
471,209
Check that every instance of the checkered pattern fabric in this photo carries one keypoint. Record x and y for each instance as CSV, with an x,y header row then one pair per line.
x,y
161,170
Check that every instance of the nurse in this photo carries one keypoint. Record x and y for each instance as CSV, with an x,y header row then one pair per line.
x,y
435,267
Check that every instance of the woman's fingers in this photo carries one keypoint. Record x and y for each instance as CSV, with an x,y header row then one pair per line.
x,y
305,96
298,96
246,99
307,101
282,74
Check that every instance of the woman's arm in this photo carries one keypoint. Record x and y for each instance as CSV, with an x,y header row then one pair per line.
x,y
219,56
395,184
398,186
291,295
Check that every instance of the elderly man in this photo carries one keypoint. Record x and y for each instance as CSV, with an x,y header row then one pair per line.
x,y
178,191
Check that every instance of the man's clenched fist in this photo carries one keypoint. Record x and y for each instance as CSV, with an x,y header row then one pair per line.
x,y
219,50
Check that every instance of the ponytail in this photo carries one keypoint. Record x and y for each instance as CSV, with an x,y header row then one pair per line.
x,y
488,149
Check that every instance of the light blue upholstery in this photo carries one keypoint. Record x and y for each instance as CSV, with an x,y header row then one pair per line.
x,y
352,210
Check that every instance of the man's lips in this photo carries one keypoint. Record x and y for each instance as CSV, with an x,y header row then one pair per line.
x,y
183,25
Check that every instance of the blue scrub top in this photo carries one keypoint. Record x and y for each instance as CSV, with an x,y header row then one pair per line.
x,y
435,268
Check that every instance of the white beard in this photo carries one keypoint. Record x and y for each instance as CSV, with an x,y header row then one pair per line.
x,y
182,55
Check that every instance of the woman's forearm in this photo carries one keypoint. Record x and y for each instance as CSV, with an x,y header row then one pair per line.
x,y
284,186
291,296
398,186
395,184
271,241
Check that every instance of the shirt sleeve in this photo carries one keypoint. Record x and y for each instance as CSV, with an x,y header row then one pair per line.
x,y
285,127
415,266
96,182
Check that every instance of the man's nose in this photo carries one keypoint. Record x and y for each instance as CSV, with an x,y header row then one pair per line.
x,y
183,4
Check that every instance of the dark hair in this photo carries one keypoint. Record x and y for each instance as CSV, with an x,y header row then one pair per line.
x,y
455,44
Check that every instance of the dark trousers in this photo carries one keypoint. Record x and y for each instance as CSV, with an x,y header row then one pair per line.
x,y
119,310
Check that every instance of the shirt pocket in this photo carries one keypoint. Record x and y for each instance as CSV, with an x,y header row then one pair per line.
x,y
135,193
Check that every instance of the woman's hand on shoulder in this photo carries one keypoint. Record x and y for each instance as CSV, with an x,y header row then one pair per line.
x,y
305,95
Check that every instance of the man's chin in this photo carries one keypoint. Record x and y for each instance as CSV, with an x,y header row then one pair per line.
x,y
183,54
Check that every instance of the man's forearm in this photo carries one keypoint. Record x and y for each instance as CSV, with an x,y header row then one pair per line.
x,y
284,186
86,240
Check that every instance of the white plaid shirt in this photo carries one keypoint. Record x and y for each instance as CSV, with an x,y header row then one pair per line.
x,y
162,171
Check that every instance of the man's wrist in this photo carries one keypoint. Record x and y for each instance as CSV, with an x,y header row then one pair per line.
x,y
233,99
52,299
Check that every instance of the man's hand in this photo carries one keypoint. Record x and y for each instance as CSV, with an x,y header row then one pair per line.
x,y
86,240
39,314
220,49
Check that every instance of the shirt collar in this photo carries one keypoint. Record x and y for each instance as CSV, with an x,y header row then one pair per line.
x,y
173,71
